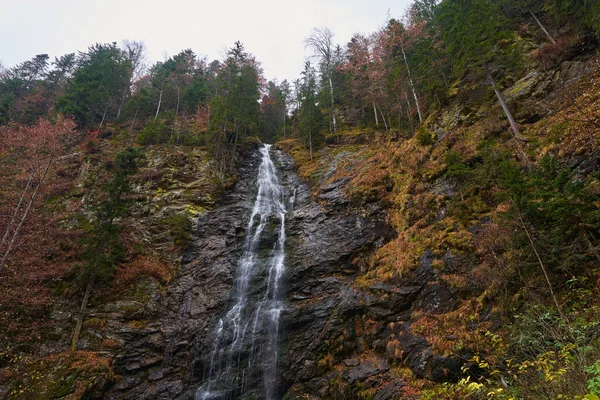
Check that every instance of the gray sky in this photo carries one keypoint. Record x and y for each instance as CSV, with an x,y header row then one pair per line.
x,y
273,30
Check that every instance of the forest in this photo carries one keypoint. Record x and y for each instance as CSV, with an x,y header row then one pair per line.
x,y
474,123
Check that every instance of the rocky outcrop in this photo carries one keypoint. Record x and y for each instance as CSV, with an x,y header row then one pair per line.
x,y
155,361
336,334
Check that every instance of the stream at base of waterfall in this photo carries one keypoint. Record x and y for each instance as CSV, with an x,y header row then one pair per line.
x,y
243,358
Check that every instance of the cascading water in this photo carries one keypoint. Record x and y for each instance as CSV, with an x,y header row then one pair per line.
x,y
243,359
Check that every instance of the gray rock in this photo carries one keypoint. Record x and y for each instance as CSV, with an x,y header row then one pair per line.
x,y
323,305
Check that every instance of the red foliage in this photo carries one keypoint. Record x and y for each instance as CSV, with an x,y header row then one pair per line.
x,y
129,273
34,146
41,254
551,54
42,257
202,118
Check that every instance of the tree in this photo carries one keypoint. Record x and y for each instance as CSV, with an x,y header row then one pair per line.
x,y
287,98
423,10
22,93
366,68
310,119
103,247
321,43
585,13
273,111
135,53
235,108
395,36
63,69
34,148
97,86
478,36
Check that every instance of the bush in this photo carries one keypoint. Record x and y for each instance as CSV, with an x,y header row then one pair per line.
x,y
550,55
594,381
424,137
155,132
456,169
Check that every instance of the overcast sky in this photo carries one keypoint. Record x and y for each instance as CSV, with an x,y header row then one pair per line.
x,y
273,30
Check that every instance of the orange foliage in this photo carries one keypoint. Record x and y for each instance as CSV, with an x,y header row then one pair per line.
x,y
129,273
455,330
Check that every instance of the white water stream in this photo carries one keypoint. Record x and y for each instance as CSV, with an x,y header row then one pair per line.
x,y
246,338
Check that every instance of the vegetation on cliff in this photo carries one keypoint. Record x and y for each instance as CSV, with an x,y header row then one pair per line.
x,y
475,123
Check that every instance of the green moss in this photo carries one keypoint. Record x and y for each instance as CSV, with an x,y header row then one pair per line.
x,y
180,228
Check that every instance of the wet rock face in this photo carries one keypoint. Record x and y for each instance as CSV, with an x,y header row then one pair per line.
x,y
155,361
324,323
326,312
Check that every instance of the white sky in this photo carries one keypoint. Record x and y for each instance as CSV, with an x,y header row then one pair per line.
x,y
272,30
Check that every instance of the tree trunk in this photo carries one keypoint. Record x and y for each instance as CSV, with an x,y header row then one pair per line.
x,y
27,209
218,146
376,117
132,122
310,143
104,115
542,27
284,118
332,104
177,107
383,118
235,139
409,113
558,308
507,112
159,101
81,315
410,81
121,104
9,227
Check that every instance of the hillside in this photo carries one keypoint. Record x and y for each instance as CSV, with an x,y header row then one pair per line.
x,y
426,224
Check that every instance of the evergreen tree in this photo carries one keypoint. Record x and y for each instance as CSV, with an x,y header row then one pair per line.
x,y
273,112
235,109
102,74
478,36
103,247
310,118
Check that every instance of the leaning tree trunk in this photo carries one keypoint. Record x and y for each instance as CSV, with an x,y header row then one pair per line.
x,y
104,115
542,27
121,104
132,122
383,118
10,225
375,112
507,112
159,101
81,315
27,209
412,85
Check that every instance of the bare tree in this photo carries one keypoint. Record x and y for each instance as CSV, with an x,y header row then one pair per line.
x,y
321,43
136,54
35,148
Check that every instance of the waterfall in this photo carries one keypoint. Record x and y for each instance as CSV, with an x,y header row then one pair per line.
x,y
243,358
